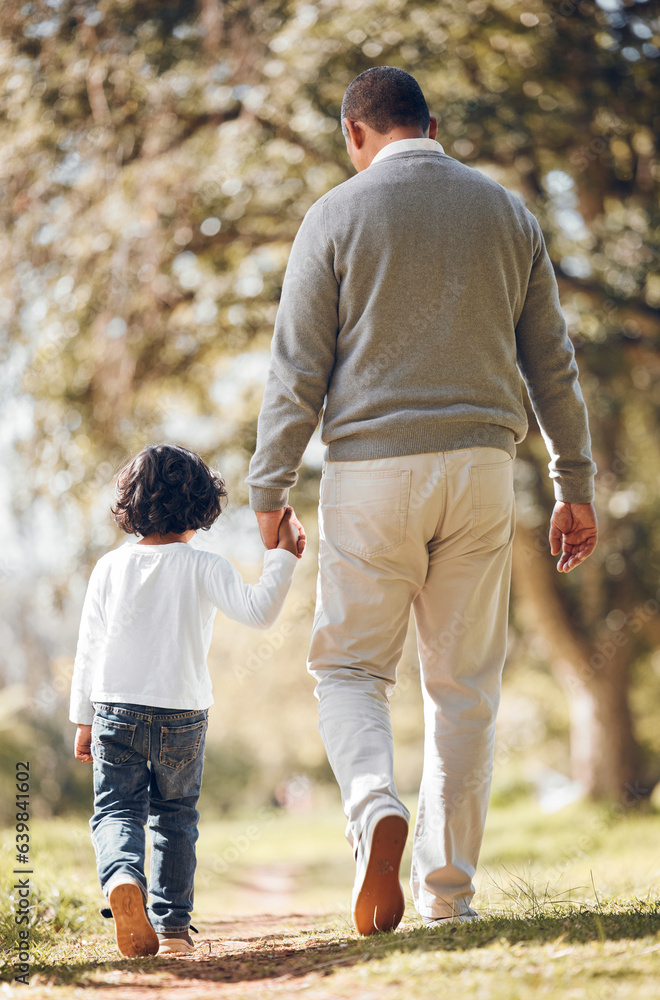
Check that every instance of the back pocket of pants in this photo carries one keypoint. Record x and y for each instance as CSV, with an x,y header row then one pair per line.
x,y
492,502
112,741
372,510
179,745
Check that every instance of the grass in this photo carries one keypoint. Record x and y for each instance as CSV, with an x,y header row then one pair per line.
x,y
570,906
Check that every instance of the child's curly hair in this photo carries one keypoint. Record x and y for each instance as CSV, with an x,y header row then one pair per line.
x,y
166,489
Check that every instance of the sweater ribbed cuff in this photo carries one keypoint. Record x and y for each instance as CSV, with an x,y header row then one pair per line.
x,y
581,492
265,498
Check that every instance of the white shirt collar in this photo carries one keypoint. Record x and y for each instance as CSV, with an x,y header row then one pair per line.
x,y
407,146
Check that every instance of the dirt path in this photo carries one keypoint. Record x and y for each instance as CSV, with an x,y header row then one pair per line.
x,y
251,956
318,956
264,955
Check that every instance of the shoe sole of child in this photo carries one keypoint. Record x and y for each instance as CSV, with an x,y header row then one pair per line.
x,y
133,930
380,904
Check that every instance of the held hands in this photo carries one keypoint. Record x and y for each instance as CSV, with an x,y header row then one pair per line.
x,y
288,534
82,748
573,532
273,521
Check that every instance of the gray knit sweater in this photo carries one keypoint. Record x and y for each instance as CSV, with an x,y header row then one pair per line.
x,y
416,295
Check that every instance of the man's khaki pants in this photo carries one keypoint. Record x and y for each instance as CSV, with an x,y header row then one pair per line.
x,y
434,531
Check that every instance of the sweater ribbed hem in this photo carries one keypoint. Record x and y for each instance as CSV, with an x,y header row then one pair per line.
x,y
421,440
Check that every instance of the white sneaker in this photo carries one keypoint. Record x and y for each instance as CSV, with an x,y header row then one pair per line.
x,y
378,903
134,933
458,918
175,945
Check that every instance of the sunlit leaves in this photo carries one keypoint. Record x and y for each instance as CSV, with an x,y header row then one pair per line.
x,y
157,164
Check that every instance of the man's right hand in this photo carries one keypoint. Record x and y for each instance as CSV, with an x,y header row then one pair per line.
x,y
269,528
573,532
288,533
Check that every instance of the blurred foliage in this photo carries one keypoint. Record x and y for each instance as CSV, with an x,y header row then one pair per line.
x,y
156,163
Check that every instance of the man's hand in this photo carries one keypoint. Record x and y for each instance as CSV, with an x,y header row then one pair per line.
x,y
82,748
269,528
289,534
573,532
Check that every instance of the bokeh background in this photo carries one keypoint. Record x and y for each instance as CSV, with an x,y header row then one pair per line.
x,y
156,161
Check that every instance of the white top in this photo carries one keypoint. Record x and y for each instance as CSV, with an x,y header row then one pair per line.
x,y
407,146
147,622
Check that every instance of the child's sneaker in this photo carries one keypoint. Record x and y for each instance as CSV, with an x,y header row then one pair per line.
x,y
133,930
175,943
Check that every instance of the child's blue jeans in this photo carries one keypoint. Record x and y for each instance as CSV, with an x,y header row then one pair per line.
x,y
148,768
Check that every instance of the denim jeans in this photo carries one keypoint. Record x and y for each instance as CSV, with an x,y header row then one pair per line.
x,y
148,768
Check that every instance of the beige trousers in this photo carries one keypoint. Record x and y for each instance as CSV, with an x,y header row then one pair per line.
x,y
433,531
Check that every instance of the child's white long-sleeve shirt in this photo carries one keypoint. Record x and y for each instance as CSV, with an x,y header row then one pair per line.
x,y
147,621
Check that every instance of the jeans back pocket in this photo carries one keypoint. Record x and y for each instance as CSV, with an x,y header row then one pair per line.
x,y
372,510
179,745
112,741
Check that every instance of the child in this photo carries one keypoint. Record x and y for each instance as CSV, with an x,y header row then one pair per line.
x,y
141,687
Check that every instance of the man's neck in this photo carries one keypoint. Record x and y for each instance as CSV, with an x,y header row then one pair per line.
x,y
395,135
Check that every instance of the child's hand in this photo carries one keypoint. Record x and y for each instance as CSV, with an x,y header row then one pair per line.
x,y
82,748
290,538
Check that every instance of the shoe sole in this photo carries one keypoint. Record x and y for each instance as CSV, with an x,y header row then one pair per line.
x,y
133,930
380,904
457,919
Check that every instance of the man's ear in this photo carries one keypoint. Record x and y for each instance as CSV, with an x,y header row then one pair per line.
x,y
356,133
433,127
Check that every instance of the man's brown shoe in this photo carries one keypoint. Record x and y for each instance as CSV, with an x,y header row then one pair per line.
x,y
378,903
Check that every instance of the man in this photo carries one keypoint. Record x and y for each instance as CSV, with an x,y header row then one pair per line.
x,y
416,295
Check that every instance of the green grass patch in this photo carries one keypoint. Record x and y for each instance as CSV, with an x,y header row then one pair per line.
x,y
569,900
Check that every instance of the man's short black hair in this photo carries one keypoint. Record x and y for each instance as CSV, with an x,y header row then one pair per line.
x,y
166,489
384,97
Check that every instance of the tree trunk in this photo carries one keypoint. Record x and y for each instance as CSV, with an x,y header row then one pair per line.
x,y
594,677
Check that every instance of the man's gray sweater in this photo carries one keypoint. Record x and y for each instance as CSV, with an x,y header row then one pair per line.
x,y
416,295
